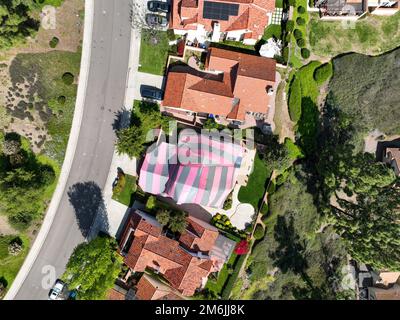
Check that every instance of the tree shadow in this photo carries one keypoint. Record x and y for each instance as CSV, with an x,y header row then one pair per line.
x,y
289,255
88,203
121,119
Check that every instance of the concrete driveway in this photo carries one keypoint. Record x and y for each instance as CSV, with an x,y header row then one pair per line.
x,y
148,79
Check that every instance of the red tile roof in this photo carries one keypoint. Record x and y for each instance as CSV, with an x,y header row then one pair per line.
x,y
252,16
151,289
182,268
241,87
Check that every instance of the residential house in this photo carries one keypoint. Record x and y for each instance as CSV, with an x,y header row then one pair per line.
x,y
391,156
386,286
200,169
354,9
383,7
235,88
184,263
238,20
149,288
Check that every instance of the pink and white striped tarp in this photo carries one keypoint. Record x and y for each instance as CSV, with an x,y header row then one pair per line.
x,y
199,170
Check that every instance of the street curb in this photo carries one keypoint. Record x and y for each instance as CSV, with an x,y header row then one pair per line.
x,y
69,156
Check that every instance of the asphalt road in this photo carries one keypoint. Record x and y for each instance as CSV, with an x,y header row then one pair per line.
x,y
104,97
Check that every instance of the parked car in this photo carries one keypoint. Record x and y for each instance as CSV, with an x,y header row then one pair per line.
x,y
151,92
155,20
158,6
57,289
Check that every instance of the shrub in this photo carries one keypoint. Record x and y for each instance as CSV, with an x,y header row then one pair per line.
x,y
68,78
300,42
151,203
259,232
292,3
295,100
297,34
305,53
289,26
226,291
264,208
228,203
300,21
120,184
301,9
54,42
61,100
323,73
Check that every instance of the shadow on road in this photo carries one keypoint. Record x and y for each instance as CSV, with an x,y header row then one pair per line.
x,y
90,211
121,119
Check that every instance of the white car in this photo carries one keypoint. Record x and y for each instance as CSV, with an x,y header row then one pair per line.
x,y
56,290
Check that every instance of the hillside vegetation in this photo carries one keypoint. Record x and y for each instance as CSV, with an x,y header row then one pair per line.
x,y
366,89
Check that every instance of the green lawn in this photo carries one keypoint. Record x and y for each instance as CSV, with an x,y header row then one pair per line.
x,y
218,285
9,264
126,193
253,192
153,57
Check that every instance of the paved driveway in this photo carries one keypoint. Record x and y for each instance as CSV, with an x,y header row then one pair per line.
x,y
142,78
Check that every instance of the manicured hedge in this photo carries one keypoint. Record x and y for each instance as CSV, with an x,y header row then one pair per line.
x,y
289,26
54,42
259,232
226,292
68,78
301,9
295,100
323,73
297,34
300,21
305,53
300,42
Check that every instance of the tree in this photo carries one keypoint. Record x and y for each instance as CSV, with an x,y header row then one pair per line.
x,y
177,221
129,141
93,268
371,227
163,216
305,53
16,22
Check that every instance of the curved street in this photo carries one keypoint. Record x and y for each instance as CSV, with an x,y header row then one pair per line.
x,y
104,97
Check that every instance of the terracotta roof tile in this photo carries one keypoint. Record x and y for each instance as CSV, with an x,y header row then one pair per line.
x,y
241,22
241,87
181,268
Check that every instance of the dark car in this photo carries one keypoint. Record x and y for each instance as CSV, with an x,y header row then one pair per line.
x,y
156,20
158,6
151,93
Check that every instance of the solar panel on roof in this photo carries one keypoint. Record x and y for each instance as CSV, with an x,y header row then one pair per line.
x,y
219,10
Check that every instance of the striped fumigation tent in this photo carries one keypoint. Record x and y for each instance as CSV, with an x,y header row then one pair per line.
x,y
203,172
154,173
